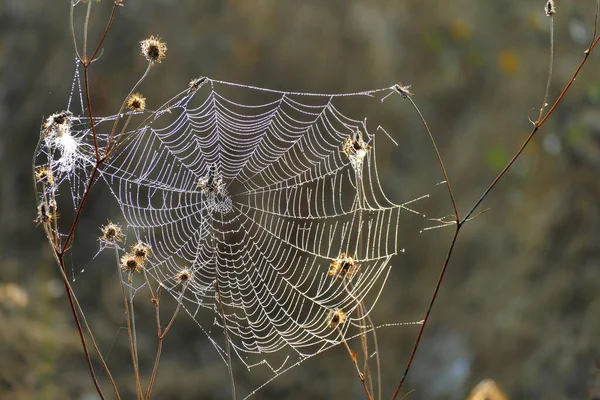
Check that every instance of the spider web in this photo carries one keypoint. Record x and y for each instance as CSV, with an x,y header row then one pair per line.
x,y
256,192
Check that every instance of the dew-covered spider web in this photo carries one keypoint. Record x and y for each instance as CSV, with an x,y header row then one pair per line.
x,y
270,200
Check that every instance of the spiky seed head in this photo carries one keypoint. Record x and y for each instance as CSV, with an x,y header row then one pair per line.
x,y
197,83
345,266
44,214
153,49
184,275
141,251
58,124
550,8
44,174
130,264
136,102
403,90
111,233
336,317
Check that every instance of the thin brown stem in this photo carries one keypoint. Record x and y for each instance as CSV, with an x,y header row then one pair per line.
x,y
75,303
534,131
109,142
72,26
86,26
428,312
466,218
136,369
227,345
161,337
78,212
81,336
437,153
90,113
544,102
155,368
356,367
106,29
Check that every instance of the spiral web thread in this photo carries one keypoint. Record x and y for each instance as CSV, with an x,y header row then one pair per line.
x,y
256,199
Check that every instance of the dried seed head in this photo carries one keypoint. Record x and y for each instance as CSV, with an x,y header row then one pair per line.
x,y
403,90
154,49
136,102
44,174
130,264
344,266
58,124
111,233
141,251
550,8
184,275
336,318
45,213
356,149
197,83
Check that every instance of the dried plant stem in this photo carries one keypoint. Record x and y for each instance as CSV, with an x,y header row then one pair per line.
x,y
357,368
227,345
132,310
130,333
551,63
377,360
437,154
161,334
466,218
74,302
109,143
86,26
72,26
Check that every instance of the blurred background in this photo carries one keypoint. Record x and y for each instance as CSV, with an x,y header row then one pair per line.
x,y
521,302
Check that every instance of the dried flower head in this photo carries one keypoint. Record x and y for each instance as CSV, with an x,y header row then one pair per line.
x,y
550,8
44,174
141,251
403,90
356,149
336,318
58,124
197,83
184,275
154,49
46,212
136,102
344,266
130,264
111,233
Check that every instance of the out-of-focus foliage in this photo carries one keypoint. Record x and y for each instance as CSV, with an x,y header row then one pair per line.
x,y
521,300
